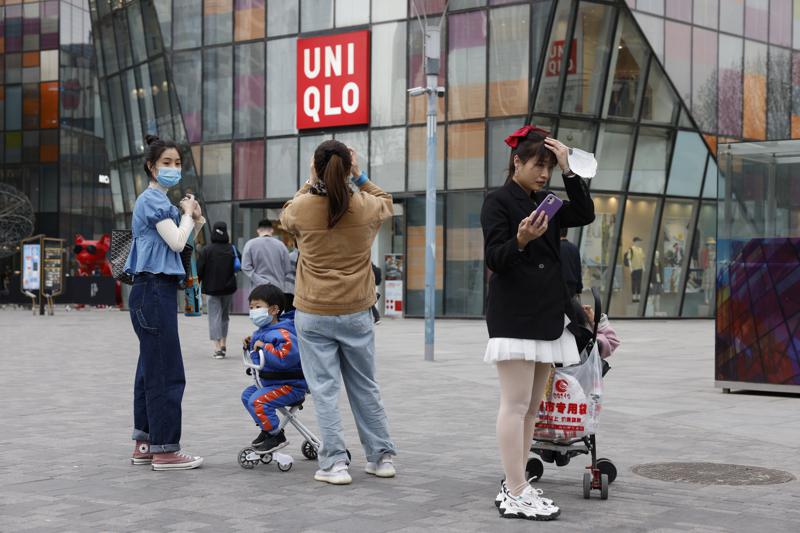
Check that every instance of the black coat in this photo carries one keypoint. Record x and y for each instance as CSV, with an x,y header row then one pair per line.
x,y
215,269
527,295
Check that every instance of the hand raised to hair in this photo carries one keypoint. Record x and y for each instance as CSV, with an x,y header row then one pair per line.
x,y
560,150
355,170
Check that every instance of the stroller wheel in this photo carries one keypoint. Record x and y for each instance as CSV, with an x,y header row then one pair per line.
x,y
243,460
534,469
309,452
603,487
605,466
587,485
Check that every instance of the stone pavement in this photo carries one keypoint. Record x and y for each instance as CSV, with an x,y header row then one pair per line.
x,y
65,415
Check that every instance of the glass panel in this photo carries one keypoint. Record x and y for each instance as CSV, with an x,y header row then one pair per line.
x,y
650,161
688,164
418,158
188,77
731,18
248,170
217,21
653,30
651,6
249,90
219,213
118,122
382,10
249,16
498,149
30,106
731,53
185,26
613,157
464,266
307,147
779,97
756,19
678,57
160,91
123,39
548,95
710,187
659,104
670,259
508,61
352,12
137,33
359,141
13,107
134,114
282,17
577,134
13,68
636,250
422,7
540,18
465,154
466,65
465,4
389,74
701,285
704,79
705,13
418,106
164,13
316,15
387,161
599,244
146,98
217,172
282,168
629,61
49,28
680,9
48,95
754,123
281,86
217,93
780,22
415,249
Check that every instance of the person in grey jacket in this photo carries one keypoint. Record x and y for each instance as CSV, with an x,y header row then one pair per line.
x,y
265,259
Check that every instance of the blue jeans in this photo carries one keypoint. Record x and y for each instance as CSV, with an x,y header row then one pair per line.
x,y
336,348
158,387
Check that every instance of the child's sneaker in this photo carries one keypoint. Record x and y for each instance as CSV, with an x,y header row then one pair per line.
x,y
141,453
335,475
261,437
501,496
528,505
272,443
175,461
383,468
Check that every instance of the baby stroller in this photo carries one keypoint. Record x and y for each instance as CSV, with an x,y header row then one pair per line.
x,y
559,435
249,457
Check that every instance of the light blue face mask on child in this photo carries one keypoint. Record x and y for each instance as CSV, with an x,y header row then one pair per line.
x,y
168,176
260,317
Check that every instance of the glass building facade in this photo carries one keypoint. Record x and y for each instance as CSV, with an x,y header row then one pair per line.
x,y
51,145
650,87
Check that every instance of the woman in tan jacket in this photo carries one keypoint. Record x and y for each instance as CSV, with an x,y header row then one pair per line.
x,y
334,292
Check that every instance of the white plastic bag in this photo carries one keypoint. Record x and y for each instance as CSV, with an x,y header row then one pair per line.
x,y
573,401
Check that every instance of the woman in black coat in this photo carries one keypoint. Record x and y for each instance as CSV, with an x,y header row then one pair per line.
x,y
527,302
216,272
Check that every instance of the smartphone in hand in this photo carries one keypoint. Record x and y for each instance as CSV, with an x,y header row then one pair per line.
x,y
550,205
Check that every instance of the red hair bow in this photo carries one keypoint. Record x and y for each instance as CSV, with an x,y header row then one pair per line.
x,y
513,139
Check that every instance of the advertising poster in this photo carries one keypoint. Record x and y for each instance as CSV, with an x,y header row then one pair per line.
x,y
31,262
393,285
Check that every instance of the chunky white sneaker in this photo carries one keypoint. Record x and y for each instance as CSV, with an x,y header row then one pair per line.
x,y
335,475
383,468
527,505
503,494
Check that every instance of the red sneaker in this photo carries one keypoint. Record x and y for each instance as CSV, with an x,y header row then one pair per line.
x,y
175,461
141,453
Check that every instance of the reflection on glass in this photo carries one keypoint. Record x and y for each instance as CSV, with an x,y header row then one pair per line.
x,y
248,170
599,244
548,95
389,74
418,158
704,78
249,19
705,13
217,93
613,156
670,259
577,134
730,85
249,90
710,187
701,282
780,22
464,266
650,162
754,123
779,97
629,61
282,168
633,257
188,77
756,21
466,65
659,104
415,260
731,17
316,15
185,26
679,9
688,164
508,61
358,141
281,86
465,153
352,12
282,17
217,172
387,161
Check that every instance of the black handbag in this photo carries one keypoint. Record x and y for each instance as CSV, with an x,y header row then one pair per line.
x,y
118,252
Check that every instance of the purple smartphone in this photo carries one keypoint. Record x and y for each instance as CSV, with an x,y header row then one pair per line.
x,y
550,205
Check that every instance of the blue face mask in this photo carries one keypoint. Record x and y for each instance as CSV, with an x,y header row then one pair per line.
x,y
168,176
260,317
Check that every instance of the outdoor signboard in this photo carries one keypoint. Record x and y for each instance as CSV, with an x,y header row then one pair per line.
x,y
31,263
333,80
53,266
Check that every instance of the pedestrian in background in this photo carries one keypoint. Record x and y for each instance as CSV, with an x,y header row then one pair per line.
x,y
265,259
335,289
216,269
571,265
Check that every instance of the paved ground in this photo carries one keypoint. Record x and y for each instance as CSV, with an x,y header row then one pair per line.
x,y
65,418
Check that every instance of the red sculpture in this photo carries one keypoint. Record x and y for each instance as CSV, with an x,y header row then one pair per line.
x,y
91,256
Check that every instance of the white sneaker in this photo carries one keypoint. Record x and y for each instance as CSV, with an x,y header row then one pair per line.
x,y
503,494
383,468
335,475
527,505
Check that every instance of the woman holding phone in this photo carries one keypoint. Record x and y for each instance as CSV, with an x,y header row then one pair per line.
x,y
528,300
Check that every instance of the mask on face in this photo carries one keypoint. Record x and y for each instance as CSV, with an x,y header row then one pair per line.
x,y
260,317
168,176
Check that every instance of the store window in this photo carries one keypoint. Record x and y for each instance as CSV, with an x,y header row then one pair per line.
x,y
282,168
465,155
281,86
249,17
599,245
779,95
508,60
122,35
549,93
466,65
164,13
704,78
387,159
630,282
754,123
282,17
613,156
418,157
678,57
730,85
710,187
629,63
388,87
415,256
358,141
653,150
249,90
577,134
688,165
217,172
464,266
316,15
248,170
701,283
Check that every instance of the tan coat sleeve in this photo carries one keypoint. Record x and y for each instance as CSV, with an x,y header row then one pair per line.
x,y
379,202
289,213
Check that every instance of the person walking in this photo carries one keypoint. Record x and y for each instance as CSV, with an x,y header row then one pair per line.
x,y
527,302
265,259
217,273
571,264
160,233
334,291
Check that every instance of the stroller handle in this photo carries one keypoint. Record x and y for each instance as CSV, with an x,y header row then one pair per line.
x,y
249,363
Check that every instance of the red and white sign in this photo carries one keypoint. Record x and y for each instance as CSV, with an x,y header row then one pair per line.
x,y
333,80
556,56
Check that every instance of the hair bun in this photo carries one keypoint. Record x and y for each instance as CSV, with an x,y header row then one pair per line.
x,y
151,139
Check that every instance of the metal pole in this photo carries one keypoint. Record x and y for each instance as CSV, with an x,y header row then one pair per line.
x,y
432,72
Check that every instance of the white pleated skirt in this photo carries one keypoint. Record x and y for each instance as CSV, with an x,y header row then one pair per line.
x,y
563,350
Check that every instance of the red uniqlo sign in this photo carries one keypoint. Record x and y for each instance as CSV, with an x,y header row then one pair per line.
x,y
333,80
556,56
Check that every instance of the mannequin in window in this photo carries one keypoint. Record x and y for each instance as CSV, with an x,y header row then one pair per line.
x,y
657,282
634,259
708,261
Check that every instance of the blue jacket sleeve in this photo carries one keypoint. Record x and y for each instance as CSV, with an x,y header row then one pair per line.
x,y
281,351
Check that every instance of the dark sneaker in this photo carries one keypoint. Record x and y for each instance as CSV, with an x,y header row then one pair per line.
x,y
141,453
219,354
261,437
272,443
175,461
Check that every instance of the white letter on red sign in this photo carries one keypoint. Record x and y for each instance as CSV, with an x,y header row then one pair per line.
x,y
350,97
333,60
328,109
310,111
351,61
311,74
